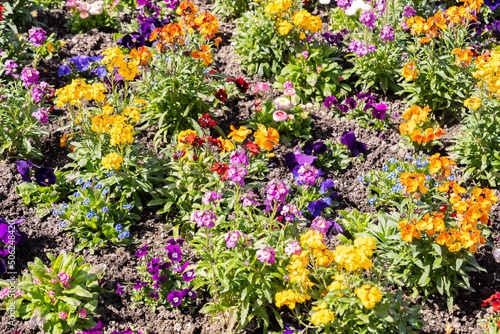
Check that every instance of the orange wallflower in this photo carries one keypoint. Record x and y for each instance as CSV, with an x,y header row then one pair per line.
x,y
413,181
266,137
239,135
409,72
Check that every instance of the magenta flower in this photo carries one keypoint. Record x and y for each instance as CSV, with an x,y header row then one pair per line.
x,y
266,254
63,315
379,110
63,277
142,251
205,218
37,36
232,238
42,114
174,253
175,298
29,76
293,248
387,33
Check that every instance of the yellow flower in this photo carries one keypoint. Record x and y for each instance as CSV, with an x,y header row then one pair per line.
x,y
473,102
369,295
322,315
112,161
181,138
227,145
239,135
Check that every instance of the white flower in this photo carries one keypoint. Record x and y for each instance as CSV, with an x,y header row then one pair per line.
x,y
282,103
95,9
357,5
324,2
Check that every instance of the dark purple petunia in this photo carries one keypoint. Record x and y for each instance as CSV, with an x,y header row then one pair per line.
x,y
151,266
329,101
319,147
63,71
343,108
24,168
336,228
139,284
180,269
131,40
188,292
317,206
351,103
142,251
179,241
119,289
174,253
18,236
153,295
188,275
163,278
325,185
356,147
379,110
45,177
164,265
493,4
175,298
97,329
293,160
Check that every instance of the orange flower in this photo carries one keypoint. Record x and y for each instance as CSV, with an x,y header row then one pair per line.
x,y
409,72
186,8
141,55
407,128
217,41
408,231
239,135
413,181
265,138
425,40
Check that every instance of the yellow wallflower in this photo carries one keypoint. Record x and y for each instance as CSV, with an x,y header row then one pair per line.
x,y
112,161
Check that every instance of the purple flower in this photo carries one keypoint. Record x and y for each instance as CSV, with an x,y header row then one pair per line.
x,y
212,196
493,4
175,298
239,157
249,199
188,275
387,33
329,101
12,235
139,284
142,251
82,62
380,6
351,103
45,177
153,295
236,175
29,76
189,293
315,207
325,185
266,254
344,4
379,110
100,72
294,160
276,191
174,253
37,36
342,107
10,65
24,168
64,70
119,289
173,241
42,114
307,174
367,19
321,224
356,147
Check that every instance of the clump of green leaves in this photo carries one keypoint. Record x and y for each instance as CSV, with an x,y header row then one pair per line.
x,y
59,298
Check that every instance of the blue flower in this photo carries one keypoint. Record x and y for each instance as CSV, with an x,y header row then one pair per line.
x,y
62,224
100,72
206,70
118,187
391,175
118,228
105,191
87,184
127,206
372,200
400,169
60,212
54,212
395,189
385,168
86,201
64,70
325,185
79,181
409,157
111,173
361,178
90,214
419,157
451,178
105,209
126,234
99,186
419,165
427,177
76,194
65,206
391,160
120,216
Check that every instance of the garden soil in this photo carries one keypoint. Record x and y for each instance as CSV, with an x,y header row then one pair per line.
x,y
44,234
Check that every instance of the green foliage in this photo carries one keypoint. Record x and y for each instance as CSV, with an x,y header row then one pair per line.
x,y
44,197
104,20
232,8
18,128
262,50
314,74
45,293
98,214
477,144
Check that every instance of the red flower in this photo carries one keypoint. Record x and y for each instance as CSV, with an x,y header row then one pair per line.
x,y
179,154
2,9
496,305
214,141
219,168
221,95
495,296
253,148
242,85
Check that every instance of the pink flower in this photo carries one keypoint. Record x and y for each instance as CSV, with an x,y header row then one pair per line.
x,y
63,277
48,270
303,106
51,293
290,92
262,86
67,285
258,108
258,101
53,300
18,293
266,254
63,315
36,281
5,292
280,116
53,281
71,3
83,15
82,312
232,238
282,103
291,117
287,84
293,248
